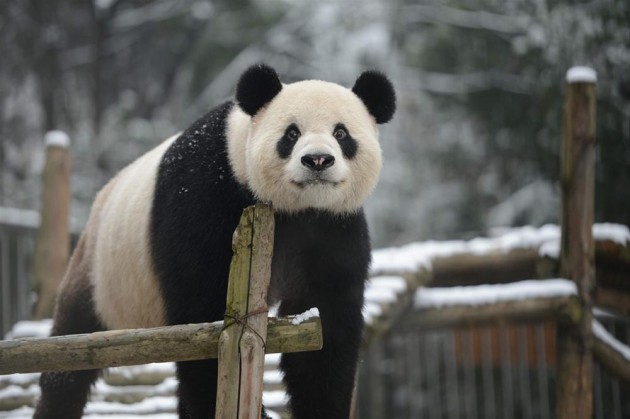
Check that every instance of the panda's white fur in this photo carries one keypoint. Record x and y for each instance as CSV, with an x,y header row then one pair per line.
x,y
126,290
316,107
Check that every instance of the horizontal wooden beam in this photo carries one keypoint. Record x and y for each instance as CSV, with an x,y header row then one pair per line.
x,y
612,262
142,346
610,358
613,300
487,268
563,308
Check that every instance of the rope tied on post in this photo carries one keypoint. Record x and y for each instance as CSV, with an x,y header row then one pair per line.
x,y
242,320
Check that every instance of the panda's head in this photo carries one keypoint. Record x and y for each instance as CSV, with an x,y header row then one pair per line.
x,y
309,144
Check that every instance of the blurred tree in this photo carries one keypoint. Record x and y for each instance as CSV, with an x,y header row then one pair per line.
x,y
117,75
473,145
503,64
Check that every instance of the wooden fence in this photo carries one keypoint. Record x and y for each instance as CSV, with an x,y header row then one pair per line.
x,y
240,341
570,314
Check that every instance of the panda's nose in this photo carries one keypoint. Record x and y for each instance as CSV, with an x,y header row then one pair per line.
x,y
318,162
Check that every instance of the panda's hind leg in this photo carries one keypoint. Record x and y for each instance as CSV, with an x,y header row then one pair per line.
x,y
64,394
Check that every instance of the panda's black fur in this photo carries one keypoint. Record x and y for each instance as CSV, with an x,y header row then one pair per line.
x,y
320,259
196,208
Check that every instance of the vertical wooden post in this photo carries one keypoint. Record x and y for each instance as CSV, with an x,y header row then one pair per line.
x,y
53,239
241,345
575,360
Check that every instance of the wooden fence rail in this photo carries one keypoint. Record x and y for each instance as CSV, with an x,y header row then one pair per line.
x,y
561,306
138,346
560,309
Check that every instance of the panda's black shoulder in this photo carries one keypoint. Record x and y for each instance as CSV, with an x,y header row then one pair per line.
x,y
200,145
196,206
197,162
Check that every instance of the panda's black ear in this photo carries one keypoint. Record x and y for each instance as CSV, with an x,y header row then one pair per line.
x,y
378,95
256,87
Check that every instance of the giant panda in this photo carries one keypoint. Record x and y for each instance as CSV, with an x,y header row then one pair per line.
x,y
157,246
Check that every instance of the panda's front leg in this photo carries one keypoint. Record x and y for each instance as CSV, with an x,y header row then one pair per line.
x,y
320,383
197,388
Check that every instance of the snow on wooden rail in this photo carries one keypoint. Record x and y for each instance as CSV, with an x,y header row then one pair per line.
x,y
510,255
541,241
131,347
523,301
612,354
428,298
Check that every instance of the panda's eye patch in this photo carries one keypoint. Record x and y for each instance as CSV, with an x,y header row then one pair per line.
x,y
287,142
349,145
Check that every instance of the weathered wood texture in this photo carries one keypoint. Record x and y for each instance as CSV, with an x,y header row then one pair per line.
x,y
577,256
612,360
252,343
490,268
612,262
241,346
53,238
562,309
132,347
613,300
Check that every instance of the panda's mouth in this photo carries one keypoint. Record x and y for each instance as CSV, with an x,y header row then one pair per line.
x,y
316,181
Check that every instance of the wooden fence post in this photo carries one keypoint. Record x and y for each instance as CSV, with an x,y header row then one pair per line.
x,y
53,238
241,345
575,340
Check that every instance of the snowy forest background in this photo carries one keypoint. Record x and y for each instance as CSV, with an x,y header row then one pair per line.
x,y
475,142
